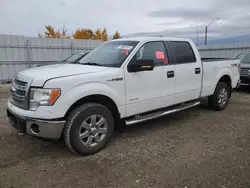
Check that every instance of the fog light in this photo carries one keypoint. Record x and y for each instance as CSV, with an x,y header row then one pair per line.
x,y
35,128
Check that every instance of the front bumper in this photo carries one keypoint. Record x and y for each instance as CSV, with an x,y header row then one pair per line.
x,y
245,80
238,84
51,129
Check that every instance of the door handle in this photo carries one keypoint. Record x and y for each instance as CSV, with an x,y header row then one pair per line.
x,y
170,74
197,70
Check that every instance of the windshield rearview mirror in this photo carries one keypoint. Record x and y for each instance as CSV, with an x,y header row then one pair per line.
x,y
141,65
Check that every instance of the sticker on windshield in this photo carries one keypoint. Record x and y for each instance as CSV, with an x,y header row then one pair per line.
x,y
125,51
159,55
124,47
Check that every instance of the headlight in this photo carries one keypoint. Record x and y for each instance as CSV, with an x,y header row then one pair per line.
x,y
43,97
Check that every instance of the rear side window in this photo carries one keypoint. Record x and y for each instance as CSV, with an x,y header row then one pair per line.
x,y
183,52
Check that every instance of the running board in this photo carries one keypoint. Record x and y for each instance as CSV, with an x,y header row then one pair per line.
x,y
140,119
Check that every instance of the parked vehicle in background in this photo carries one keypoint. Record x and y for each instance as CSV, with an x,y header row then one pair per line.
x,y
121,82
75,58
245,68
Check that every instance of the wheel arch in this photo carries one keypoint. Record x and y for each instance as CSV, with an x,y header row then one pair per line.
x,y
96,98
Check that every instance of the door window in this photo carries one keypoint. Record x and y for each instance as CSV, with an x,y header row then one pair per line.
x,y
155,51
183,52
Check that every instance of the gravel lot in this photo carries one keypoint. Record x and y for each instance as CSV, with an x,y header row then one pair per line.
x,y
195,148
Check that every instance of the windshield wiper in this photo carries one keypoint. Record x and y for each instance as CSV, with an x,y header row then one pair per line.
x,y
90,63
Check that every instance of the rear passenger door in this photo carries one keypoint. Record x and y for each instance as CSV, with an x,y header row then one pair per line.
x,y
188,72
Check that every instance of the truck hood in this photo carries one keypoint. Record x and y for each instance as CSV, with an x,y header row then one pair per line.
x,y
245,65
51,63
39,75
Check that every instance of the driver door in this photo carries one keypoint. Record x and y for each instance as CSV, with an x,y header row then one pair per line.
x,y
150,90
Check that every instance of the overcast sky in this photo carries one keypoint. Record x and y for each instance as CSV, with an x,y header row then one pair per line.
x,y
174,17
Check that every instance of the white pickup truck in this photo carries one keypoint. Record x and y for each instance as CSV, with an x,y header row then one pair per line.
x,y
121,82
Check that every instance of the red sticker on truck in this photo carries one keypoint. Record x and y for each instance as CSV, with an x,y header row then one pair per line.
x,y
165,61
159,55
125,51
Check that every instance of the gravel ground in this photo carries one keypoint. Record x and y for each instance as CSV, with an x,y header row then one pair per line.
x,y
194,148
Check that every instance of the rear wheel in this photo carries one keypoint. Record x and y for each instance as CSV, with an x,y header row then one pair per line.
x,y
219,100
88,128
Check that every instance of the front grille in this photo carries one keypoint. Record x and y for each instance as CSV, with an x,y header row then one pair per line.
x,y
244,80
244,72
19,89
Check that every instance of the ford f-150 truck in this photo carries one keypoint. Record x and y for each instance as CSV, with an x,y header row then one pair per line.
x,y
121,82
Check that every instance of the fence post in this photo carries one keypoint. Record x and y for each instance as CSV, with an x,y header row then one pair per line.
x,y
72,47
28,53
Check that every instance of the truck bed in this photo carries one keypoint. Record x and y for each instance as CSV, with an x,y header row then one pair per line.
x,y
213,70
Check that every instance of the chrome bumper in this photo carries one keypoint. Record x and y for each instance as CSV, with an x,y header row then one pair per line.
x,y
35,127
238,84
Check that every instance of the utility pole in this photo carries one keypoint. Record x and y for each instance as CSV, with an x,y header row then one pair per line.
x,y
207,28
197,36
197,33
206,36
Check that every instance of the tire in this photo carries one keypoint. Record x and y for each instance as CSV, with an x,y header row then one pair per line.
x,y
81,122
219,100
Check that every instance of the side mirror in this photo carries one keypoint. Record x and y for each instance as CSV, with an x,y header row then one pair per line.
x,y
141,65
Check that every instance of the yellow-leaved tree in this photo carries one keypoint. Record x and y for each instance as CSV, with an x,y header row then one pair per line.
x,y
82,34
52,33
97,35
116,35
104,35
91,33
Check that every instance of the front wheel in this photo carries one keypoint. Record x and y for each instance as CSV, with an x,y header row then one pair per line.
x,y
88,128
219,100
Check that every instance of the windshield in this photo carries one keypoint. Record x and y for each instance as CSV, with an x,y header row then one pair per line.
x,y
73,58
110,54
244,58
240,56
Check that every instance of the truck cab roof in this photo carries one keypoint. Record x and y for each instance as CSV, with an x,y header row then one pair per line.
x,y
146,39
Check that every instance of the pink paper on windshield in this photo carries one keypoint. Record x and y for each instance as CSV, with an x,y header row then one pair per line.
x,y
125,51
159,55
